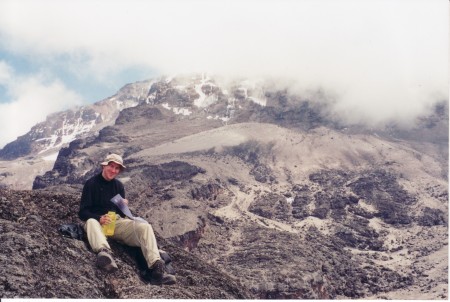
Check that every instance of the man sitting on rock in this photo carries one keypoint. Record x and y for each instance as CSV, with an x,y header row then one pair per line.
x,y
96,203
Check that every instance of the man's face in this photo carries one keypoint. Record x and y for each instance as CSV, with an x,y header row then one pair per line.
x,y
111,170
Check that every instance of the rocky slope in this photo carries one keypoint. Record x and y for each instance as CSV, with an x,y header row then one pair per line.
x,y
37,262
266,187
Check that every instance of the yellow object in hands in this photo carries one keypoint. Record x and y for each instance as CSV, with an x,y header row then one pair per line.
x,y
108,229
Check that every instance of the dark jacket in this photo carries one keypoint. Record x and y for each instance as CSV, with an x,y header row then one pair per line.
x,y
97,193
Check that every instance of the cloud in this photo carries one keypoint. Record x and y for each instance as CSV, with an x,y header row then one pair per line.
x,y
381,59
32,99
5,72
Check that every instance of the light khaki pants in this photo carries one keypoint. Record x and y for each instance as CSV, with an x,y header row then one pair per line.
x,y
128,232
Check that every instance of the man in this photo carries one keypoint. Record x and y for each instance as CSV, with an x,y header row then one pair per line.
x,y
96,203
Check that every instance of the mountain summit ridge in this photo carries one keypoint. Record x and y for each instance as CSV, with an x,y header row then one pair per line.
x,y
185,95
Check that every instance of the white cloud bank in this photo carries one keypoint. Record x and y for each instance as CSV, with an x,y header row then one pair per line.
x,y
381,58
32,99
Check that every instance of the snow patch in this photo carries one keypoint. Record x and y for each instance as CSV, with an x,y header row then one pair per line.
x,y
176,110
225,119
67,133
252,91
245,91
182,111
120,105
180,87
204,100
150,98
258,101
51,157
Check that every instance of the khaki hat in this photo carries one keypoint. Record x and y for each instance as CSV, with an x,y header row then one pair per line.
x,y
115,158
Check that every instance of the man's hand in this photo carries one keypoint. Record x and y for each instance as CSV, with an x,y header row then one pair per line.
x,y
105,219
125,201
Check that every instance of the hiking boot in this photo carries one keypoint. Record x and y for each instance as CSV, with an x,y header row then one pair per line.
x,y
166,279
157,270
157,275
106,262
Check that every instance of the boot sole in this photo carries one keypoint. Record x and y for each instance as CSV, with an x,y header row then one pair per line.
x,y
107,264
169,281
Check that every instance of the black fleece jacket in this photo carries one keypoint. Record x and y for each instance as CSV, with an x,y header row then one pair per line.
x,y
96,197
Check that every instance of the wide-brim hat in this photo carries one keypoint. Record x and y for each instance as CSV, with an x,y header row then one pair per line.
x,y
113,158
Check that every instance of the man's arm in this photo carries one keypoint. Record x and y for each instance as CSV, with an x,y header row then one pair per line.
x,y
86,204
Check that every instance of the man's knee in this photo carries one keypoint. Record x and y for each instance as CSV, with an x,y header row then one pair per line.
x,y
144,227
90,223
148,226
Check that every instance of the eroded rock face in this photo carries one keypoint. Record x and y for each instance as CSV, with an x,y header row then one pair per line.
x,y
208,191
331,197
342,259
280,265
272,206
378,188
432,217
383,191
174,170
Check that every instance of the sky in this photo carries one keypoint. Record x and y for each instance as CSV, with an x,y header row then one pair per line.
x,y
378,59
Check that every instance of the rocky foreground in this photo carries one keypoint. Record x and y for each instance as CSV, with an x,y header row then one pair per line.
x,y
37,262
